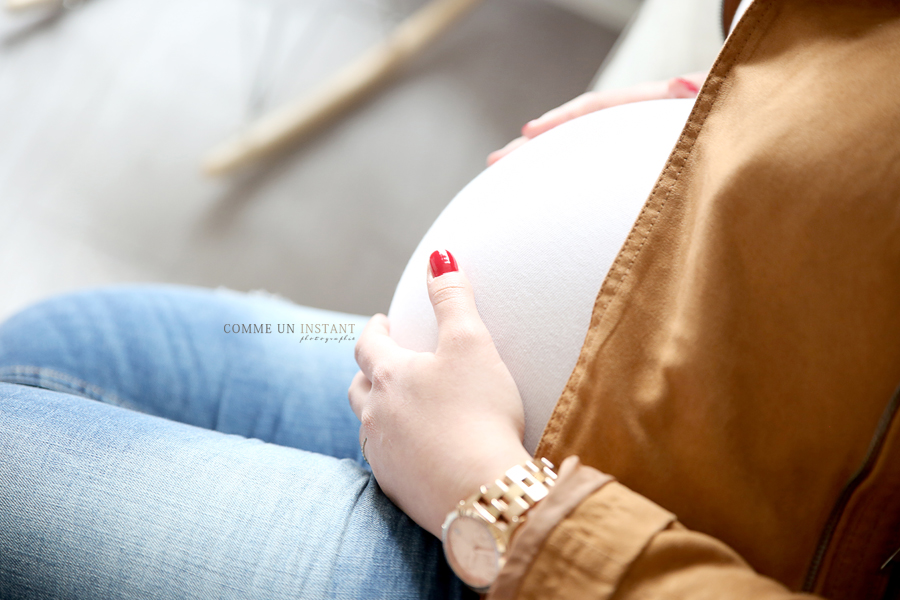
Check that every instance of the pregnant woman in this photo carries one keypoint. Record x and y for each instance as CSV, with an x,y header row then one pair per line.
x,y
171,507
736,369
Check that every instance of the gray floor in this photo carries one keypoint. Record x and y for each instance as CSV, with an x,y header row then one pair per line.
x,y
106,111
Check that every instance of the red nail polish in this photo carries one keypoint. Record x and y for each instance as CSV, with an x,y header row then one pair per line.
x,y
442,262
690,85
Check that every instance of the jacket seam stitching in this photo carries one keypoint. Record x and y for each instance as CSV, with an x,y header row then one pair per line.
x,y
684,148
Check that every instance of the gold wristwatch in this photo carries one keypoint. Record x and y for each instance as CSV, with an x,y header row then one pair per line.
x,y
476,535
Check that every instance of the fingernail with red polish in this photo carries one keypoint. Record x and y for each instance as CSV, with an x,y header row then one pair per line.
x,y
442,262
688,84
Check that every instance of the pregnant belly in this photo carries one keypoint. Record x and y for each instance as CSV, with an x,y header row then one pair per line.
x,y
536,233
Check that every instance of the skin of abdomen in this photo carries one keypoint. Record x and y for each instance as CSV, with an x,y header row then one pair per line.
x,y
536,234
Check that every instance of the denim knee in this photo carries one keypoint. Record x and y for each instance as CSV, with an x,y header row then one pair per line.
x,y
55,343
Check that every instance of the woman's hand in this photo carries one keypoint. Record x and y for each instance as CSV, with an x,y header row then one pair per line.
x,y
679,87
436,426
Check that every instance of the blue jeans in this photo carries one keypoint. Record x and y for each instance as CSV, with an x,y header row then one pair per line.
x,y
148,451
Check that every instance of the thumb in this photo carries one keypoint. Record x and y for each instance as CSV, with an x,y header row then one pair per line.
x,y
453,301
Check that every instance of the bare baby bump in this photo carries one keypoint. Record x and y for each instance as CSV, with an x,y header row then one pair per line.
x,y
536,233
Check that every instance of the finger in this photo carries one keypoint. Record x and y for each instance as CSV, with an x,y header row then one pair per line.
x,y
374,344
582,105
498,154
453,300
593,101
358,393
686,86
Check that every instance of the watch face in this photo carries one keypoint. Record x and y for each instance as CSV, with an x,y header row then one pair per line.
x,y
472,551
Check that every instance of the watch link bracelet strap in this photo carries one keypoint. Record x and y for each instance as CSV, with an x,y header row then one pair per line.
x,y
505,501
476,535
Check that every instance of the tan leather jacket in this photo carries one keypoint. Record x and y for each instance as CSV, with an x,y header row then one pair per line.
x,y
738,374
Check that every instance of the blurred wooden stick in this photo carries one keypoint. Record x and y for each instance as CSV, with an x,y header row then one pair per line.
x,y
17,5
288,124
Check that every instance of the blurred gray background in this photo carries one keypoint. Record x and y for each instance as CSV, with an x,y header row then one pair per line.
x,y
107,109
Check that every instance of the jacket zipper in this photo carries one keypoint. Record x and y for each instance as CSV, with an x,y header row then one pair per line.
x,y
874,451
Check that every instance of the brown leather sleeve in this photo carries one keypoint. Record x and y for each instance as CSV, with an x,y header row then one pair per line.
x,y
594,538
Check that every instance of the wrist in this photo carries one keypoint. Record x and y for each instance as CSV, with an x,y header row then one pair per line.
x,y
479,465
490,468
478,533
